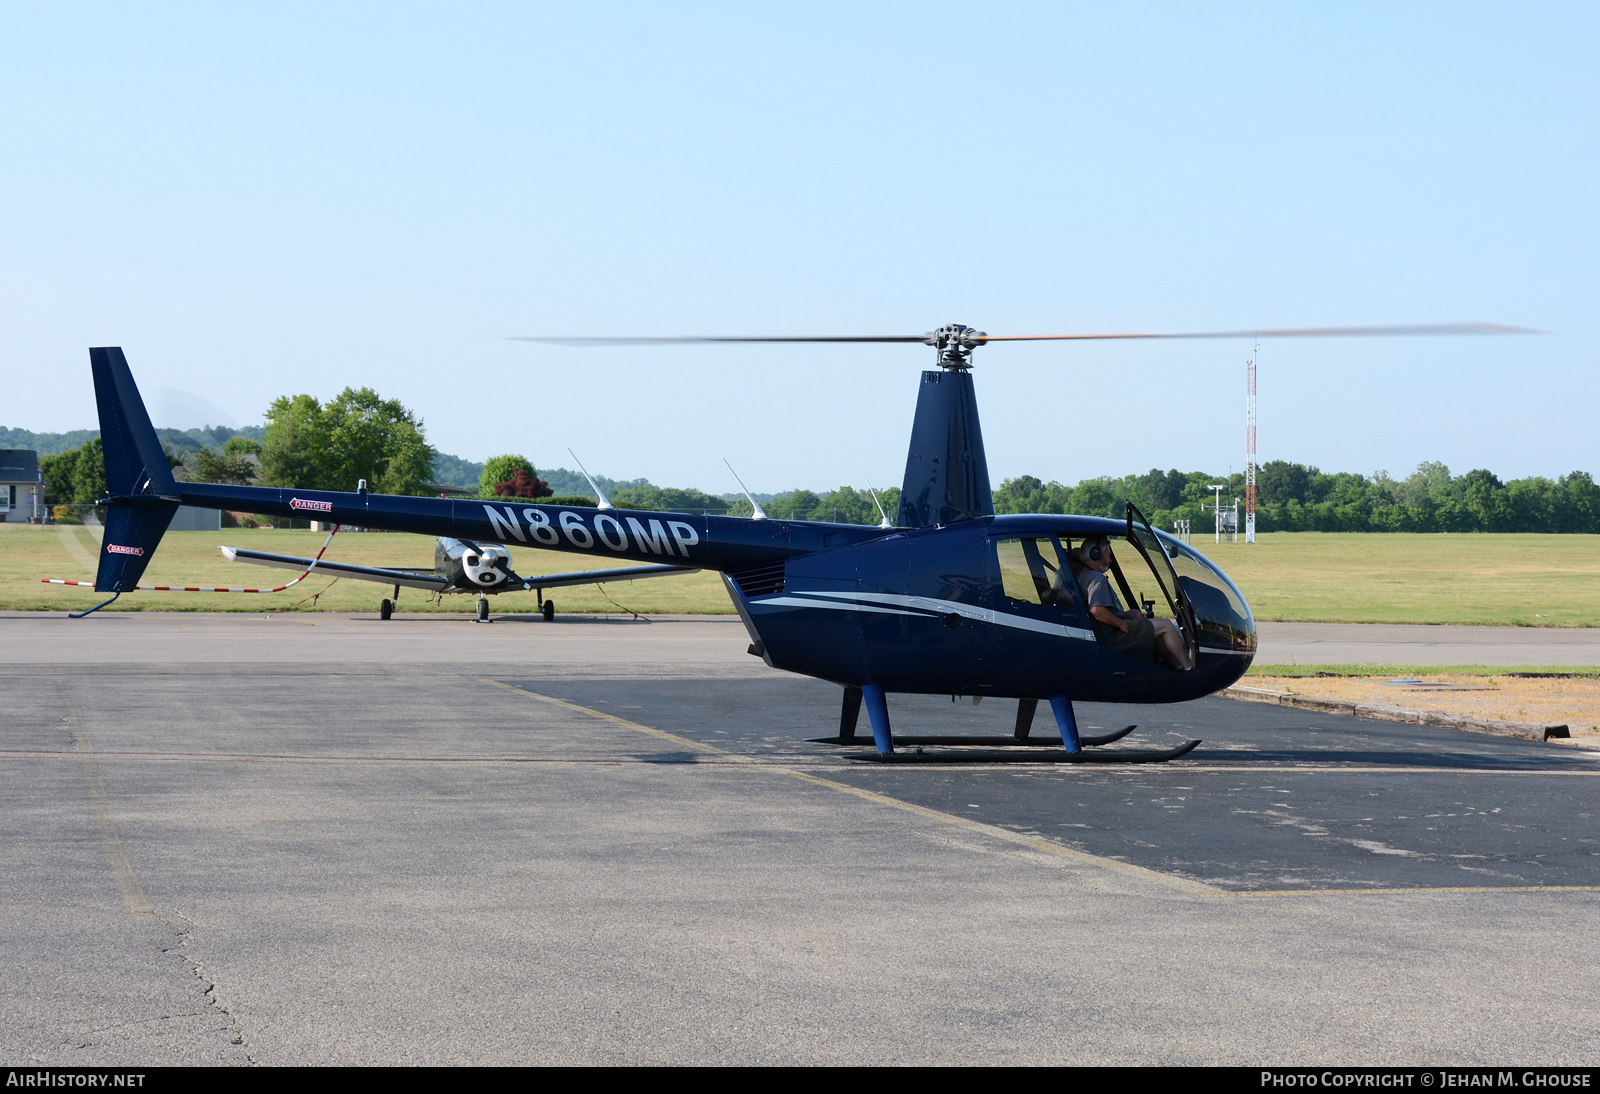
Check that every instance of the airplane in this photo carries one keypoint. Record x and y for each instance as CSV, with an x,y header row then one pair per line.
x,y
459,566
952,600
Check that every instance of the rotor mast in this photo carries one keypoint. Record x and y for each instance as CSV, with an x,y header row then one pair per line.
x,y
954,343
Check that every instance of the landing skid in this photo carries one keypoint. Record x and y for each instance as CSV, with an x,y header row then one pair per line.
x,y
1071,747
992,742
1003,756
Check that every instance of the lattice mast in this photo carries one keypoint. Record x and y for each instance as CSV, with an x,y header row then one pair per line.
x,y
1250,446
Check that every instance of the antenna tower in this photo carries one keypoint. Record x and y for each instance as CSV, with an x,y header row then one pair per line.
x,y
1250,446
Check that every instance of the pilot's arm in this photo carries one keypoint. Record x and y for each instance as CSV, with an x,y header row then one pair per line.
x,y
1109,617
1104,613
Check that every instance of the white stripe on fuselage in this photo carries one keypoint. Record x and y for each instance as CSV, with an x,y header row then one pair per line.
x,y
933,606
929,607
834,605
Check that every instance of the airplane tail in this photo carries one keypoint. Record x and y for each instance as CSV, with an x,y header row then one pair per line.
x,y
143,495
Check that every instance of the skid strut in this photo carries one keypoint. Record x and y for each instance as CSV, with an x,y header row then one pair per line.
x,y
849,715
1067,722
878,714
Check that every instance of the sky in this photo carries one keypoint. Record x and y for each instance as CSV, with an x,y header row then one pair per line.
x,y
260,202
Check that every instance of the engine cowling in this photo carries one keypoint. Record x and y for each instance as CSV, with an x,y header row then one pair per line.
x,y
469,565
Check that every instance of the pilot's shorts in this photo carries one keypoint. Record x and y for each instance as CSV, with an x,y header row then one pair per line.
x,y
1139,640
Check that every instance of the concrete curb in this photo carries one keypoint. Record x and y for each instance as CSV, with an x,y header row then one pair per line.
x,y
1533,731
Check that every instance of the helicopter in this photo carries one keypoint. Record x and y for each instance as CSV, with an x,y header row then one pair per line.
x,y
946,599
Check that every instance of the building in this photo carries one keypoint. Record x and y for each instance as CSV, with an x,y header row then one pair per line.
x,y
21,493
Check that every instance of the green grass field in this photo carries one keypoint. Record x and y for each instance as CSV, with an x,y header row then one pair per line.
x,y
1521,580
1518,580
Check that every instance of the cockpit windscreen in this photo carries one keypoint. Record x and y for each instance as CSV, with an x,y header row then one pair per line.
x,y
1224,618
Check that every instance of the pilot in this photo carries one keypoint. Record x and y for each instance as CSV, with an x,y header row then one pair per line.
x,y
1131,632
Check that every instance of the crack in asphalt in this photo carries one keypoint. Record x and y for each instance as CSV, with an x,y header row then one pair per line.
x,y
235,1023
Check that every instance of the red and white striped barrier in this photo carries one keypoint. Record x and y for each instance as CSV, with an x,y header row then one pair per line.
x,y
202,589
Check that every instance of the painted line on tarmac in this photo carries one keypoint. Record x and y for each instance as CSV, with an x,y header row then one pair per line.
x,y
1032,843
1422,889
1339,769
723,758
369,761
133,897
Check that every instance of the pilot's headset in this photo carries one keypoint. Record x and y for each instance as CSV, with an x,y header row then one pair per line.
x,y
1096,549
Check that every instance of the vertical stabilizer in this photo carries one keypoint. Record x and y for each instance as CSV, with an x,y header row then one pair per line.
x,y
143,493
947,474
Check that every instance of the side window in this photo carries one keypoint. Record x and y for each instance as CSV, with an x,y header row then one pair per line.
x,y
1033,570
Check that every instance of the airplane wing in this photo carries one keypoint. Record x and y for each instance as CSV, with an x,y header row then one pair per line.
x,y
596,577
426,579
409,578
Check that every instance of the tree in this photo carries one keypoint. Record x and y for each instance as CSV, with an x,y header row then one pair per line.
x,y
58,472
89,476
1578,505
230,468
1280,482
291,449
499,470
376,439
796,505
847,505
357,435
1094,497
521,486
1026,494
667,499
1158,491
1484,498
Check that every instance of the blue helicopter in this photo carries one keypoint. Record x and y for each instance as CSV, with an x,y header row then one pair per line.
x,y
948,599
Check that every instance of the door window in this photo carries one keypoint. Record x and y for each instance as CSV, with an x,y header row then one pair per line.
x,y
1143,537
1034,570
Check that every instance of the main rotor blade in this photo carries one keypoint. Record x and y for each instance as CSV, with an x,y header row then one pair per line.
x,y
695,340
1284,332
1425,329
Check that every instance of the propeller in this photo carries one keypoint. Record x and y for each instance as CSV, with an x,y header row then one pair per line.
x,y
955,341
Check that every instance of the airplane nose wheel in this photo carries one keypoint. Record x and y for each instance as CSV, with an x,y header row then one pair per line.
x,y
483,608
385,608
548,609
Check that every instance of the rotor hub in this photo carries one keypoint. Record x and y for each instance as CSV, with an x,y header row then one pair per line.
x,y
955,343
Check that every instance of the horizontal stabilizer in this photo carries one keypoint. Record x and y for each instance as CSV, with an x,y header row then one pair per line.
x,y
408,578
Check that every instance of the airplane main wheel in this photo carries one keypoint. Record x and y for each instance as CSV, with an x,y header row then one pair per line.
x,y
483,611
549,610
385,609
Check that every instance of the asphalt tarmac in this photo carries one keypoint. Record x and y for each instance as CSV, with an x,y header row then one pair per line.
x,y
1417,644
324,839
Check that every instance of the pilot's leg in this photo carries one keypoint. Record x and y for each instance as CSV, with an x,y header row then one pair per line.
x,y
1169,640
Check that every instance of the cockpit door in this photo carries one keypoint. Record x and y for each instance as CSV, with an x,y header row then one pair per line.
x,y
1149,545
